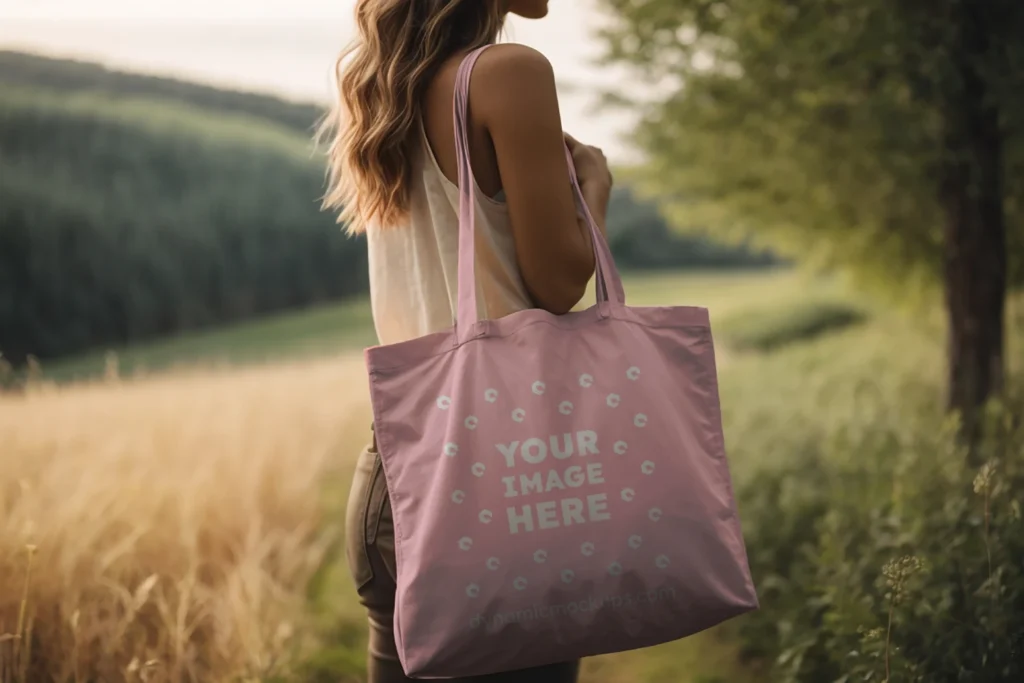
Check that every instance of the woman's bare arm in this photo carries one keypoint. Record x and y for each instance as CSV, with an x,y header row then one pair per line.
x,y
514,97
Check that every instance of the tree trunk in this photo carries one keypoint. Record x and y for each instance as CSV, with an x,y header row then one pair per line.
x,y
975,234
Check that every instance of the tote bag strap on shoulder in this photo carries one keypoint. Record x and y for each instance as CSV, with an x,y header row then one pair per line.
x,y
609,284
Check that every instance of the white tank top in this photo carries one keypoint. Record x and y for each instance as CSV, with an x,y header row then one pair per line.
x,y
414,266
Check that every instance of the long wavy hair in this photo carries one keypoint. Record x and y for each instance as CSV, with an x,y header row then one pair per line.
x,y
381,80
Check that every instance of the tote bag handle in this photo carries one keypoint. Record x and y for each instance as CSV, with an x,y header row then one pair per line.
x,y
609,284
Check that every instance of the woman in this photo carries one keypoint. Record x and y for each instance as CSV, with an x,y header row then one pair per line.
x,y
393,173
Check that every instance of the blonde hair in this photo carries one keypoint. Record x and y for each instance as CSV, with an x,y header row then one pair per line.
x,y
381,81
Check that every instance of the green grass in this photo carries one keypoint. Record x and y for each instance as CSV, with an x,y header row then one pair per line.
x,y
767,329
348,326
317,331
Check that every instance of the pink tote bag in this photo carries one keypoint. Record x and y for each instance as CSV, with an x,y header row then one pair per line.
x,y
559,484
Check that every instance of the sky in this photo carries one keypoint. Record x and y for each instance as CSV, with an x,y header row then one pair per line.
x,y
288,47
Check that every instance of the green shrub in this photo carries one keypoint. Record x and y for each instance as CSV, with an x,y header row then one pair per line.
x,y
767,329
880,555
641,239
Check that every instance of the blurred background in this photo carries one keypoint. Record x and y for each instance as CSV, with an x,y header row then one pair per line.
x,y
182,395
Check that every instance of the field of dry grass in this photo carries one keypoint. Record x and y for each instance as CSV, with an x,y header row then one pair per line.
x,y
185,526
167,529
171,523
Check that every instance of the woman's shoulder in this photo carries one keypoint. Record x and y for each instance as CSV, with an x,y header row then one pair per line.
x,y
509,77
513,60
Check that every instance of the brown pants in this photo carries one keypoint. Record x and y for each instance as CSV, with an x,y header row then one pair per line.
x,y
370,540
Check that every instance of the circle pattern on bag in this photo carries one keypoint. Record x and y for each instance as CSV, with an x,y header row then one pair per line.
x,y
559,451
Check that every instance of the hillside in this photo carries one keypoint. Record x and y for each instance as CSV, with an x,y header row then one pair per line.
x,y
125,217
134,207
71,76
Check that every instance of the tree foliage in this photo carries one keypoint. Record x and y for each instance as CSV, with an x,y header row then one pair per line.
x,y
818,126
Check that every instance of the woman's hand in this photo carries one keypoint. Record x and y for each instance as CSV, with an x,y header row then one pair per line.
x,y
595,179
591,165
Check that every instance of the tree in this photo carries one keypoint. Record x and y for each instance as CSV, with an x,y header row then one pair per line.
x,y
884,136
